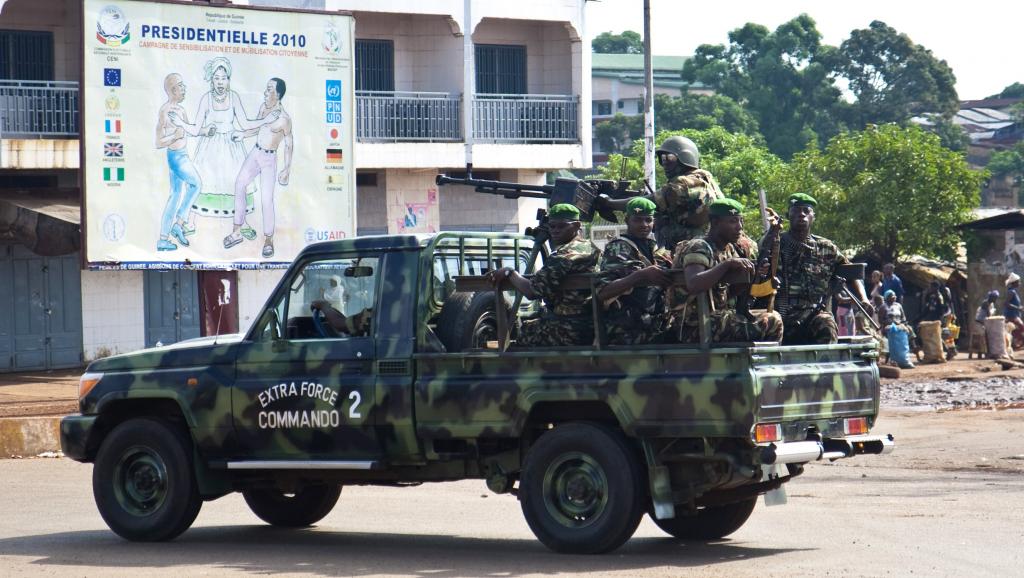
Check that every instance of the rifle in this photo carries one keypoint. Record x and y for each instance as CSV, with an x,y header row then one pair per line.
x,y
768,287
582,193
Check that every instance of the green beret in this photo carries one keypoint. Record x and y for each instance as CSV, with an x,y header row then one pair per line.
x,y
640,206
564,211
802,199
725,207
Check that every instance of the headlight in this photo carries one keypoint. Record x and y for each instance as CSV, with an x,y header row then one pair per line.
x,y
87,382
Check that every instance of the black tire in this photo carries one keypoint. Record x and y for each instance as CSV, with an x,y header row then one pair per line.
x,y
304,508
710,523
144,481
467,320
582,489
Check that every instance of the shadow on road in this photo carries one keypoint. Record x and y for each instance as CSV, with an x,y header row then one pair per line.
x,y
265,550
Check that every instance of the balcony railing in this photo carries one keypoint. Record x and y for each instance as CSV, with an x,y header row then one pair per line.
x,y
30,108
408,116
526,118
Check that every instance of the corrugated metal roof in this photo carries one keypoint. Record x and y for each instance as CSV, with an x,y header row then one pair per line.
x,y
600,61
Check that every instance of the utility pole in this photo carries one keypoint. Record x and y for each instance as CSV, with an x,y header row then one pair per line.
x,y
468,80
648,98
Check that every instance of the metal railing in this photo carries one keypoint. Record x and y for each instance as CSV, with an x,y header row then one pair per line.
x,y
408,116
526,118
30,108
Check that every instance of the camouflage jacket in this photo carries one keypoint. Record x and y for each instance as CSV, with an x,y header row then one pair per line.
x,y
623,256
702,252
683,207
576,256
805,271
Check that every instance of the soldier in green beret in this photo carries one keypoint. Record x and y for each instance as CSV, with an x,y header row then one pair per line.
x,y
807,264
705,263
683,201
566,318
632,280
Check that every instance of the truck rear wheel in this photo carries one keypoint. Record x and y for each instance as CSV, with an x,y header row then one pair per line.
x,y
582,490
143,481
710,523
303,508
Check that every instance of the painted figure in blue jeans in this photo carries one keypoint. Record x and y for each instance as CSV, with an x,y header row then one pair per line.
x,y
172,126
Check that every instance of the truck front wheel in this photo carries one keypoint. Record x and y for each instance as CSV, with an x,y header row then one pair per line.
x,y
143,481
582,490
710,523
303,508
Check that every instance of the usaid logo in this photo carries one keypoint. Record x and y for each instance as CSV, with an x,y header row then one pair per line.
x,y
318,235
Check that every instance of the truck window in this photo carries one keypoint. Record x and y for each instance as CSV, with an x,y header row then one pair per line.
x,y
328,299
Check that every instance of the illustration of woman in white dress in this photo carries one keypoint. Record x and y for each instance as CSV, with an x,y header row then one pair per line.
x,y
217,157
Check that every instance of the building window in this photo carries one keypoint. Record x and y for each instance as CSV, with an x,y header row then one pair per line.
x,y
602,107
621,103
375,65
639,106
26,55
500,69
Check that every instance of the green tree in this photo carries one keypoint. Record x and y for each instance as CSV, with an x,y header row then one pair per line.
x,y
628,42
694,111
1015,90
785,79
1009,162
893,79
889,191
951,135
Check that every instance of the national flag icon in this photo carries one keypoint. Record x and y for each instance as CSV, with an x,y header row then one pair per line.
x,y
113,174
333,133
112,126
111,77
113,150
334,156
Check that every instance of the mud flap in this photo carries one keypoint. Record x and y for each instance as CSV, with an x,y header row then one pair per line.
x,y
661,485
776,497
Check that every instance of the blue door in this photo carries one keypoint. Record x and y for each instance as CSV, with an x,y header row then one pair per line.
x,y
172,306
40,310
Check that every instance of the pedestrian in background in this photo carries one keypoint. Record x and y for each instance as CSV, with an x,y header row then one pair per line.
x,y
892,282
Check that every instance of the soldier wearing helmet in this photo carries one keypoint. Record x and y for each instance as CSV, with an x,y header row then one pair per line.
x,y
683,201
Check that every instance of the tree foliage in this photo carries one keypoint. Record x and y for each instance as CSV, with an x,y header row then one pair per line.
x,y
1015,90
784,78
1009,162
951,135
693,111
888,191
892,78
628,42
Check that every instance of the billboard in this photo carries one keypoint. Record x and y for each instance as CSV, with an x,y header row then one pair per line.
x,y
214,136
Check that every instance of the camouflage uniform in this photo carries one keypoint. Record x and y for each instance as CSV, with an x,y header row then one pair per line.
x,y
683,207
726,324
567,316
806,271
637,317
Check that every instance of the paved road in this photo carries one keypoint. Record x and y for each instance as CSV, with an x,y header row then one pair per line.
x,y
864,517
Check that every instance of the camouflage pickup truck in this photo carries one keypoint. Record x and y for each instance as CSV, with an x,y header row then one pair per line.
x,y
413,389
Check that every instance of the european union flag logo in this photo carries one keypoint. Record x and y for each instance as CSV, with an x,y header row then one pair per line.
x,y
112,77
333,90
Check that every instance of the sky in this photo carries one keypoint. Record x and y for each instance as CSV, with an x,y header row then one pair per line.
x,y
982,46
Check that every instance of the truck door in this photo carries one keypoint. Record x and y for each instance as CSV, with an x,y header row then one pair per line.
x,y
305,385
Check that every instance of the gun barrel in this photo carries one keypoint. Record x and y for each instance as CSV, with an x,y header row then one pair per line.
x,y
499,187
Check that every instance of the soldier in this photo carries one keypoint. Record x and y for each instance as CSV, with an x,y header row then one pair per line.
x,y
807,264
683,201
566,319
633,279
705,262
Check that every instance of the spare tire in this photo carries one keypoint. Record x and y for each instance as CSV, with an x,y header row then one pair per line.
x,y
467,320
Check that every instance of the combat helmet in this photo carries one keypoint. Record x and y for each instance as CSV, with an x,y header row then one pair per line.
x,y
684,149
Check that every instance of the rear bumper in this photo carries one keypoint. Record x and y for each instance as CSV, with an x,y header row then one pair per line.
x,y
75,431
826,449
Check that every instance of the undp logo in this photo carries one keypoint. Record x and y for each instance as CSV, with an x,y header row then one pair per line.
x,y
333,90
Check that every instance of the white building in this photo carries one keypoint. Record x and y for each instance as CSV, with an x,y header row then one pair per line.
x,y
439,82
618,86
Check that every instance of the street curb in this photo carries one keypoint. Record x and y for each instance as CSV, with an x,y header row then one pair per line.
x,y
29,436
